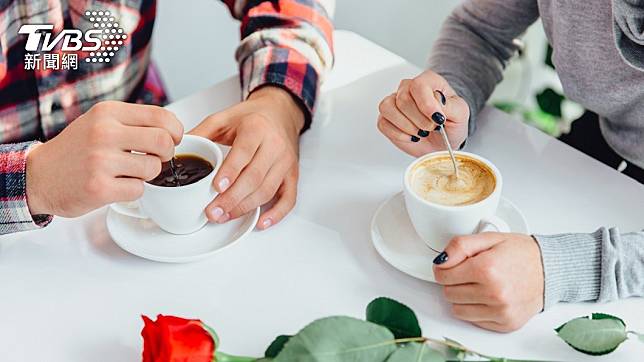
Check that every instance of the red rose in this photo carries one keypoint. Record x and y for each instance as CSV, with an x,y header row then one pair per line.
x,y
173,339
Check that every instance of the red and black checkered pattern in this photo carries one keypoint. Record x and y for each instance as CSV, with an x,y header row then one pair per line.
x,y
283,42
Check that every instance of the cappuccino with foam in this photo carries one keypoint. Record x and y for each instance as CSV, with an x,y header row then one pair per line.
x,y
433,180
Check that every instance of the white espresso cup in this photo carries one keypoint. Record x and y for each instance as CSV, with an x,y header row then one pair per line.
x,y
181,209
437,224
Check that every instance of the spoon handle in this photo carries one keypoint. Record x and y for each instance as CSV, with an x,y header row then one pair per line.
x,y
174,171
449,149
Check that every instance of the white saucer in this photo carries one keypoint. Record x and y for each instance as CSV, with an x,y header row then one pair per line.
x,y
145,239
396,241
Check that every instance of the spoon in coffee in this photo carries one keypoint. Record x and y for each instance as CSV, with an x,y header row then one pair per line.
x,y
449,147
174,171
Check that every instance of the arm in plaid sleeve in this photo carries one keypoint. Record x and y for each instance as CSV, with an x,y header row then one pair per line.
x,y
287,43
14,212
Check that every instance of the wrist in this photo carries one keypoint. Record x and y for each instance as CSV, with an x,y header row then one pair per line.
x,y
539,272
35,201
292,116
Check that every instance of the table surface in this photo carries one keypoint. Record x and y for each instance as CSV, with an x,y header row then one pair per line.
x,y
68,293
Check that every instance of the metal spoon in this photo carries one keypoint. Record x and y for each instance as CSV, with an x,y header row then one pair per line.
x,y
449,149
174,171
440,96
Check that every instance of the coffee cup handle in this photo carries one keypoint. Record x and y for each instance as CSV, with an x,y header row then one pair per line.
x,y
131,209
493,223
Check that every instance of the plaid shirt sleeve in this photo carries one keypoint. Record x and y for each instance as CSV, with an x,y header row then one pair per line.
x,y
14,212
288,43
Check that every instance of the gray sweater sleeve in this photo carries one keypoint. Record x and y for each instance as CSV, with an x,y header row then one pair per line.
x,y
476,42
601,266
628,28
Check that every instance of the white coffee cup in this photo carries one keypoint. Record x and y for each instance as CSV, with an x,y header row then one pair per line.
x,y
437,224
181,209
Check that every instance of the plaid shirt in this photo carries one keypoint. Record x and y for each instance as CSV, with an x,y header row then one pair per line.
x,y
284,42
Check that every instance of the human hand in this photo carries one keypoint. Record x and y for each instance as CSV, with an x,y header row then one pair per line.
x,y
90,163
408,116
494,280
262,164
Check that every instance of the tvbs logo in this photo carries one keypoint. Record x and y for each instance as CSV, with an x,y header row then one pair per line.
x,y
71,38
102,42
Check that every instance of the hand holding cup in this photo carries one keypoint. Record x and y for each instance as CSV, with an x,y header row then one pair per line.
x,y
493,280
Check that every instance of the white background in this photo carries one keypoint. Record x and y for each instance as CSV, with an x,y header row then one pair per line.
x,y
194,45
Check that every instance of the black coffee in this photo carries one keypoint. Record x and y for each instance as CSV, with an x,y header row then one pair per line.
x,y
188,169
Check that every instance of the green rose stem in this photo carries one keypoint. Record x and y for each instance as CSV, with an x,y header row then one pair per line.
x,y
223,357
461,348
640,336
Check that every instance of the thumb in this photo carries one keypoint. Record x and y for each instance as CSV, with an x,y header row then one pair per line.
x,y
462,247
214,127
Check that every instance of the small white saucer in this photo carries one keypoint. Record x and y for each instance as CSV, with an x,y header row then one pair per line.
x,y
145,239
397,242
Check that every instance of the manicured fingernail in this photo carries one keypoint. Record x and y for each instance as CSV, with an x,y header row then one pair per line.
x,y
423,133
438,128
215,213
223,184
438,118
224,218
442,97
267,223
441,258
415,139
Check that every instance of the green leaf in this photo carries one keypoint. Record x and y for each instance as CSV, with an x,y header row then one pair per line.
x,y
276,346
550,102
548,60
415,352
337,339
542,120
598,335
507,106
397,317
608,316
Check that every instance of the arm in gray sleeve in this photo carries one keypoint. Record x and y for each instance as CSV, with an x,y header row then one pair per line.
x,y
476,42
601,266
628,28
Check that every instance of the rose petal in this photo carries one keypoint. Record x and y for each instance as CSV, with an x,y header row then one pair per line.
x,y
184,339
151,341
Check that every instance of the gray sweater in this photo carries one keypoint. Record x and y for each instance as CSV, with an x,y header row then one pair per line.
x,y
599,57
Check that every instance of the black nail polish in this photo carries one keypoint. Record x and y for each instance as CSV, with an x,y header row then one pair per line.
x,y
415,139
438,118
423,133
443,99
441,258
438,128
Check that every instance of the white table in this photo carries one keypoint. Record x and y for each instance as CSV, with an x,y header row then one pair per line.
x,y
68,293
